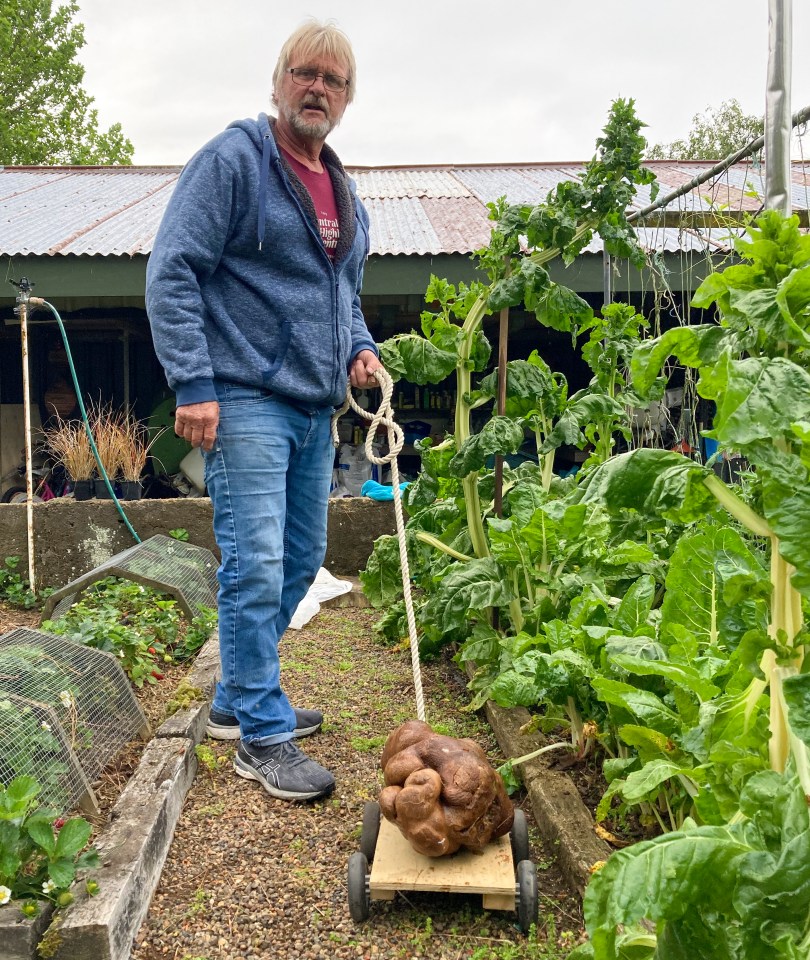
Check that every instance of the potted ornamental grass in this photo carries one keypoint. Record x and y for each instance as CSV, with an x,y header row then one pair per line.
x,y
69,444
108,432
136,441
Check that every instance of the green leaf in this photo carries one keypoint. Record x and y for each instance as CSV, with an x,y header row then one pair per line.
x,y
499,435
691,346
41,832
72,837
797,697
643,705
468,589
417,359
680,675
640,784
750,398
655,483
513,689
706,572
635,607
662,880
648,742
562,309
22,790
62,872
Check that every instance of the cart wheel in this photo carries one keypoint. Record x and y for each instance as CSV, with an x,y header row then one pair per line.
x,y
371,829
359,899
526,894
519,837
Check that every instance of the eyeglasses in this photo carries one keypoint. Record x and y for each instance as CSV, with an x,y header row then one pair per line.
x,y
306,76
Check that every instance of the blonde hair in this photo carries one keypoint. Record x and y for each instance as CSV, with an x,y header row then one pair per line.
x,y
314,39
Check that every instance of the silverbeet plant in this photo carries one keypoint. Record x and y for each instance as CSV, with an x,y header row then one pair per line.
x,y
451,532
40,852
754,366
739,891
737,886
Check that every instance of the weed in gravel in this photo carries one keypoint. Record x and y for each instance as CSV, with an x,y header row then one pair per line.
x,y
212,810
207,758
423,935
295,666
367,744
534,947
198,903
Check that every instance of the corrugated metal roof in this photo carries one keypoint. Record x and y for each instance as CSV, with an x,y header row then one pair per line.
x,y
115,211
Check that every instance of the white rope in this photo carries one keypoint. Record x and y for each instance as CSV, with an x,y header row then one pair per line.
x,y
385,417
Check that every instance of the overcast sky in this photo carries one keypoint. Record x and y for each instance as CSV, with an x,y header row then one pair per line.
x,y
439,81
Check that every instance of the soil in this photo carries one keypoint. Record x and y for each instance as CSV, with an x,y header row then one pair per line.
x,y
248,876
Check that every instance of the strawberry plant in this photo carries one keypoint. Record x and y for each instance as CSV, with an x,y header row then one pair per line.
x,y
138,624
40,852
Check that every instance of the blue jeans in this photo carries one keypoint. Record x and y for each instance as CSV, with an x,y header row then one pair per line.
x,y
268,478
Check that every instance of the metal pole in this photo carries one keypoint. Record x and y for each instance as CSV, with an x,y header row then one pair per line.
x,y
22,312
777,107
607,292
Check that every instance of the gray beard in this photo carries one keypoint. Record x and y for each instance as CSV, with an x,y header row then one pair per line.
x,y
315,130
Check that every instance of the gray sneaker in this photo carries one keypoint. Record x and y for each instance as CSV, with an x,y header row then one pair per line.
x,y
284,771
220,726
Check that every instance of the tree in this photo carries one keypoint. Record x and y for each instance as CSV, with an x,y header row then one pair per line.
x,y
46,116
715,134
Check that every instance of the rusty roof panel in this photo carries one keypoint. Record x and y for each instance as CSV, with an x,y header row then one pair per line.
x,y
395,184
749,179
519,184
461,225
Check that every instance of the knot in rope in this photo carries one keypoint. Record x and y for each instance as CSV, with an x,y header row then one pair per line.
x,y
383,417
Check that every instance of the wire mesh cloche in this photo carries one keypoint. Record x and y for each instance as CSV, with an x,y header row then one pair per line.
x,y
65,711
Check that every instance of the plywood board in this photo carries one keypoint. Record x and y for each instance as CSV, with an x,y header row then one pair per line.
x,y
397,866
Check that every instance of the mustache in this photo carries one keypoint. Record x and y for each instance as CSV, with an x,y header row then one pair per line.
x,y
314,101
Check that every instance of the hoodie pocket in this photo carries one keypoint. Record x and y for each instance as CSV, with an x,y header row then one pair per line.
x,y
304,363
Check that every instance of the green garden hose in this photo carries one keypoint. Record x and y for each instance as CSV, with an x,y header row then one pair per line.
x,y
39,302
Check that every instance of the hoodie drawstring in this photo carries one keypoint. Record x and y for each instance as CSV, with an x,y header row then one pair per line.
x,y
263,186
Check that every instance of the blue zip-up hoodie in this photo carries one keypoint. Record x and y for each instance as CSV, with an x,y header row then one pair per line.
x,y
239,286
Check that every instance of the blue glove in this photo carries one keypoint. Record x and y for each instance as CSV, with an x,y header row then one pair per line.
x,y
379,491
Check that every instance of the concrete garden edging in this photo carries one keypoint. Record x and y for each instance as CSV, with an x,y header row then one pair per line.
x,y
558,809
19,935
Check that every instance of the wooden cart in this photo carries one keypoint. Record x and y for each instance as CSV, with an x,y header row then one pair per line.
x,y
503,873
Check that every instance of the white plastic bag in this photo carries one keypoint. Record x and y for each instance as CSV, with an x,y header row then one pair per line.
x,y
324,588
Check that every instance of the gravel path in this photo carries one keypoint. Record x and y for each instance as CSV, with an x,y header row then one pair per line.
x,y
250,876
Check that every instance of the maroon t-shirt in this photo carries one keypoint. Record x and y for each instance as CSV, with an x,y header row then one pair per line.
x,y
322,192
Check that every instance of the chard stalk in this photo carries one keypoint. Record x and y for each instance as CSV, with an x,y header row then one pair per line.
x,y
739,510
432,541
515,609
793,744
577,726
562,745
475,523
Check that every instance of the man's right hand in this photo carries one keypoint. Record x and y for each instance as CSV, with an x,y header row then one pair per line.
x,y
197,423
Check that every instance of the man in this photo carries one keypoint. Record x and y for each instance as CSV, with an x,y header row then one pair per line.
x,y
253,295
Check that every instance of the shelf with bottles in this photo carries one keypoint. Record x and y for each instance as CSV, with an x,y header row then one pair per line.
x,y
433,398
